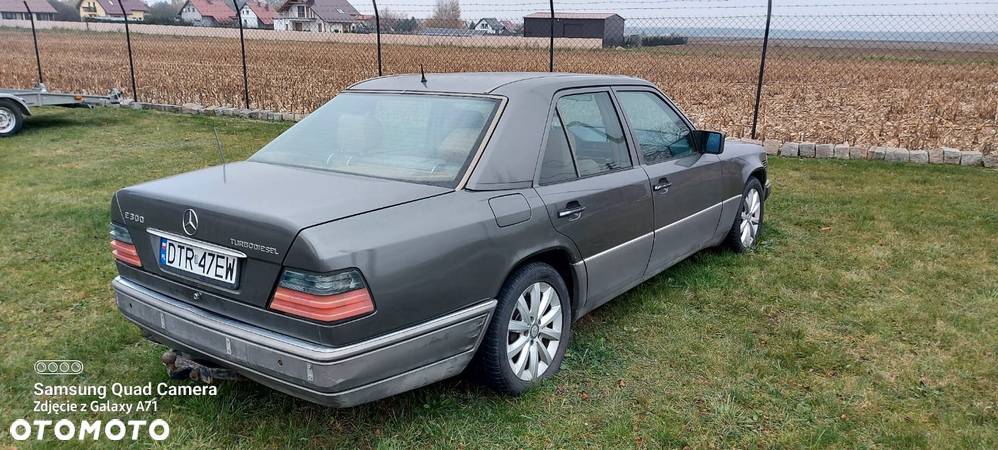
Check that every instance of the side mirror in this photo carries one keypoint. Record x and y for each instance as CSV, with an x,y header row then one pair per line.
x,y
711,142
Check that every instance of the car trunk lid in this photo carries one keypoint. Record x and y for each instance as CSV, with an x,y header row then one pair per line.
x,y
253,208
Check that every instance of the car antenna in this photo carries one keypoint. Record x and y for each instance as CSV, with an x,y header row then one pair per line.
x,y
422,74
221,150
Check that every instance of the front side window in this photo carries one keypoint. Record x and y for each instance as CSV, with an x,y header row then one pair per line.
x,y
660,132
594,133
425,139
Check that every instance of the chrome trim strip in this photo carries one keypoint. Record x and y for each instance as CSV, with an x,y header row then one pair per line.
x,y
618,246
283,343
192,242
684,219
702,211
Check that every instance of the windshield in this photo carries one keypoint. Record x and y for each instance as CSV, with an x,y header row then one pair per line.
x,y
429,139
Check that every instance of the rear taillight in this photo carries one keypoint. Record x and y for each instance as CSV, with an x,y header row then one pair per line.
x,y
322,296
122,247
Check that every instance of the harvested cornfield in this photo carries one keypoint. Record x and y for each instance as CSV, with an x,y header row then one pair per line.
x,y
914,99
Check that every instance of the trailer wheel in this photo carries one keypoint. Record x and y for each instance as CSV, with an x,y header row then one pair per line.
x,y
11,118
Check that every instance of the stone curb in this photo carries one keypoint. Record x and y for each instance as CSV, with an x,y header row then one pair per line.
x,y
944,155
195,109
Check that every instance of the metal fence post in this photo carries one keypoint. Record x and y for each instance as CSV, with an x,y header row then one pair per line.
x,y
128,41
242,45
551,42
377,30
34,37
762,67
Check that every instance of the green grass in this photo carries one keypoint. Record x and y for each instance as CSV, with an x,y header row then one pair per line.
x,y
867,318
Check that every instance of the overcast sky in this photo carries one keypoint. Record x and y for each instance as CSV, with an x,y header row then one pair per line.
x,y
654,8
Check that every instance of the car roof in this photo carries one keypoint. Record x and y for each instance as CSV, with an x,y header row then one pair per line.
x,y
489,82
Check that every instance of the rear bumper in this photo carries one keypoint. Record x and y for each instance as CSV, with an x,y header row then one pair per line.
x,y
332,376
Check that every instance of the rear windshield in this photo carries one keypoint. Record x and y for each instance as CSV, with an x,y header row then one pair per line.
x,y
429,139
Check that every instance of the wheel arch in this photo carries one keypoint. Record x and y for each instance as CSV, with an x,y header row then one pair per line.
x,y
17,102
563,260
758,173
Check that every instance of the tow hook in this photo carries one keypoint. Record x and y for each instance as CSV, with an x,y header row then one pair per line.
x,y
180,367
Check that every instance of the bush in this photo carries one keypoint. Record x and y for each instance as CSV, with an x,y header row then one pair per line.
x,y
632,41
672,39
162,13
65,11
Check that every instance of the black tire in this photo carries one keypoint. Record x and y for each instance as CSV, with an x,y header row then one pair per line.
x,y
490,365
734,239
10,108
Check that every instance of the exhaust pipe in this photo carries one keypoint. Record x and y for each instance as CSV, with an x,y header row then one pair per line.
x,y
182,367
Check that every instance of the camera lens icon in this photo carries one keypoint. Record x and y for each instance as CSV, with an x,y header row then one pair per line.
x,y
59,367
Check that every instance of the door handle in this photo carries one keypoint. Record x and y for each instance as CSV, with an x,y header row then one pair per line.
x,y
571,209
662,186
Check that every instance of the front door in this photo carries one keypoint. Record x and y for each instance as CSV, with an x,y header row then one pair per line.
x,y
685,183
595,194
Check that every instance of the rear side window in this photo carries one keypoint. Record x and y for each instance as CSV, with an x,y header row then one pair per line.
x,y
594,133
557,165
660,132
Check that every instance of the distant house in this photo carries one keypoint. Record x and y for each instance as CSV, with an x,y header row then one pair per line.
x,y
491,25
321,16
257,15
111,10
14,9
606,26
207,13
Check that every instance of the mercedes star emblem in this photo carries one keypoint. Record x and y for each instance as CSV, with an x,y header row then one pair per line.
x,y
190,222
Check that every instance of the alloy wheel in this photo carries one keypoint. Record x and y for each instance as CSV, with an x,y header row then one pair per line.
x,y
751,216
534,331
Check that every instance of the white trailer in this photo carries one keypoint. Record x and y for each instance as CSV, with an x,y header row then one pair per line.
x,y
15,104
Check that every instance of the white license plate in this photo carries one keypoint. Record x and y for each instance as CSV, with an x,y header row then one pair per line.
x,y
198,261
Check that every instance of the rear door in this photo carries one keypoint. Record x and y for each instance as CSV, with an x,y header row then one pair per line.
x,y
595,193
685,183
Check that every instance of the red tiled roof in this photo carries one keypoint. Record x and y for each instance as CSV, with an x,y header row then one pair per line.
x,y
264,13
112,8
216,9
37,6
569,15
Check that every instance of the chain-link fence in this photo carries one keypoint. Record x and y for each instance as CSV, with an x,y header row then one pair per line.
x,y
918,74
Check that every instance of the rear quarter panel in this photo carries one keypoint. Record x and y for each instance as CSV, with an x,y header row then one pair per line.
x,y
427,258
